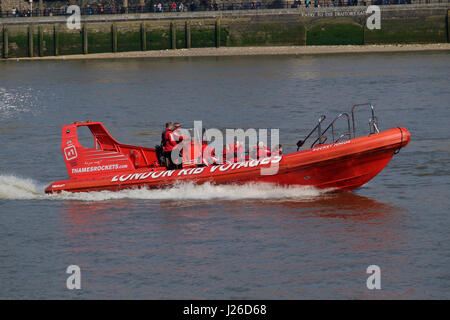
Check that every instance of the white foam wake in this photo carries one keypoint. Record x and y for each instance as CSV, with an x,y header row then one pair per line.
x,y
15,188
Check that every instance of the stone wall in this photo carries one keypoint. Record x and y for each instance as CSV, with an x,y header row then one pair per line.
x,y
321,26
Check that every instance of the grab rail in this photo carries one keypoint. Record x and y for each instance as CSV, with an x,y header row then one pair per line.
x,y
317,127
373,124
373,121
351,128
331,125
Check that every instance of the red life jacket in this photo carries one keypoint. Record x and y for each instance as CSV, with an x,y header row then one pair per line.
x,y
208,155
233,151
169,141
263,152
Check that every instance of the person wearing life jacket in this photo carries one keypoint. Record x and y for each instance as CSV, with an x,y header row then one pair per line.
x,y
277,150
178,137
169,143
176,130
260,151
234,151
169,126
160,148
208,155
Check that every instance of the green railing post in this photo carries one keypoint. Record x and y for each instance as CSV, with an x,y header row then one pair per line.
x,y
143,37
114,37
30,41
55,40
41,41
187,34
448,26
85,39
5,42
218,33
173,36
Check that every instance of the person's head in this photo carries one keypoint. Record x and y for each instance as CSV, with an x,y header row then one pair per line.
x,y
261,144
176,125
278,148
168,125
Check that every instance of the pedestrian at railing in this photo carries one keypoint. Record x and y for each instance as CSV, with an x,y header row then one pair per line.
x,y
195,5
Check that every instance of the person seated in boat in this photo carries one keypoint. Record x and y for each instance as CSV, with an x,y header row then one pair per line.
x,y
234,152
263,151
178,137
208,155
259,151
277,150
169,143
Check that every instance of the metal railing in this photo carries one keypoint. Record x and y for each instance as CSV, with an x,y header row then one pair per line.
x,y
318,127
373,121
351,127
166,6
321,139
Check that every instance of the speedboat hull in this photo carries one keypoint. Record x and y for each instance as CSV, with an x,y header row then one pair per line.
x,y
344,165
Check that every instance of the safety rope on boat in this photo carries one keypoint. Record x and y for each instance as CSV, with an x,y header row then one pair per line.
x,y
401,141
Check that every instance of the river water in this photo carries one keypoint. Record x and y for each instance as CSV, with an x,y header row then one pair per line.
x,y
225,242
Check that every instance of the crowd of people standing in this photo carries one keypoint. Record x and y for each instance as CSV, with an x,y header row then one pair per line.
x,y
193,5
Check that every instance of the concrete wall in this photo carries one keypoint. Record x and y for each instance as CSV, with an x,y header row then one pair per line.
x,y
322,26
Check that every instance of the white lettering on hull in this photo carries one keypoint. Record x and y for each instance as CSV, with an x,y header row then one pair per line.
x,y
194,171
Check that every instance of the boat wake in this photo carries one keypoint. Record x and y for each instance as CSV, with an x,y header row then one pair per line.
x,y
15,188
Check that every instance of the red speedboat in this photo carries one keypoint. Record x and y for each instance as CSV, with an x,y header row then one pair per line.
x,y
345,162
